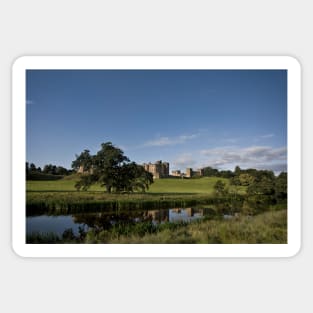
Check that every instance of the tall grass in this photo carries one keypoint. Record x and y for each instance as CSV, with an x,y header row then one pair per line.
x,y
266,228
75,202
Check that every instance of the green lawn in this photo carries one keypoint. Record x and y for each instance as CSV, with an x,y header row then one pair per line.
x,y
203,185
56,185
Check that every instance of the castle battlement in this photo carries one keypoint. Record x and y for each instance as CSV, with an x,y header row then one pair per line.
x,y
158,169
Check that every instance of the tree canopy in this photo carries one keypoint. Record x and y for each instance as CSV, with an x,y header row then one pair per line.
x,y
111,169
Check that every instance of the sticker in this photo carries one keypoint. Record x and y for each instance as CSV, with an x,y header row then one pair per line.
x,y
156,156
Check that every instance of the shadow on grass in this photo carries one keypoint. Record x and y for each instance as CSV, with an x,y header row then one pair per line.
x,y
117,194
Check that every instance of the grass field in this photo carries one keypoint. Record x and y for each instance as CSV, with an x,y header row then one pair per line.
x,y
61,196
202,186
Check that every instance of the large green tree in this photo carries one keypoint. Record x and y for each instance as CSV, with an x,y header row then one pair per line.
x,y
112,169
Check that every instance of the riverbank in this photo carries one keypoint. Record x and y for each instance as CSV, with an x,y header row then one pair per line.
x,y
74,202
265,228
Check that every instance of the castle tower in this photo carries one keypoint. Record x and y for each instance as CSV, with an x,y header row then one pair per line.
x,y
189,172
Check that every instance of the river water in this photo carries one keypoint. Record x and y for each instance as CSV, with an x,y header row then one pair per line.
x,y
57,224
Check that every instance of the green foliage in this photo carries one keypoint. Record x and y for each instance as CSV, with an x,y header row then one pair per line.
x,y
42,238
84,161
42,177
246,179
210,172
68,234
85,181
270,228
213,172
49,172
281,187
220,188
111,169
263,184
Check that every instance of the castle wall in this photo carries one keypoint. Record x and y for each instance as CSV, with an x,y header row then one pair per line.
x,y
158,169
191,173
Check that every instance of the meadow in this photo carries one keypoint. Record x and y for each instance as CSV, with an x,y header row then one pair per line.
x,y
204,185
60,195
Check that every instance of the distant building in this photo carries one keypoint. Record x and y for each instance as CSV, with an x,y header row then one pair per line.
x,y
177,173
82,170
158,169
191,173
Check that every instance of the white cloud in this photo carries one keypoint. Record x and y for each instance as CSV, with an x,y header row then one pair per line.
x,y
267,136
183,161
260,157
164,141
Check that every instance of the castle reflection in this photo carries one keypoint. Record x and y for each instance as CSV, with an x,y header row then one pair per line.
x,y
107,219
174,215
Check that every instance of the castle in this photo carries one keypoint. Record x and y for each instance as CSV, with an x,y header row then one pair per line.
x,y
191,173
160,169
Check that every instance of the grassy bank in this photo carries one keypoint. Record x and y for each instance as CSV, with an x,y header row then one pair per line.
x,y
74,202
269,227
60,196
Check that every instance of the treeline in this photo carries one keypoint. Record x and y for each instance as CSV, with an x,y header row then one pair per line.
x,y
213,172
263,189
49,172
261,182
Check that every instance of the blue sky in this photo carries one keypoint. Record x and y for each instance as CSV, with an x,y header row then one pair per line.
x,y
190,118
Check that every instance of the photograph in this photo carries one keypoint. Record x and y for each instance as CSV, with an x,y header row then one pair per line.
x,y
156,156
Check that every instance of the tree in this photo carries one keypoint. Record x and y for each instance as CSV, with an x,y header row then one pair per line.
x,y
112,169
261,193
27,169
50,169
237,170
32,167
83,161
281,186
60,170
246,179
220,188
210,172
262,185
107,164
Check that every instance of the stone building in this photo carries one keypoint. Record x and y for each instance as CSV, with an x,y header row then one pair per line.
x,y
177,173
191,173
158,169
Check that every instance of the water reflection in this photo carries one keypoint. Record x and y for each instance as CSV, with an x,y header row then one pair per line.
x,y
53,224
105,220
